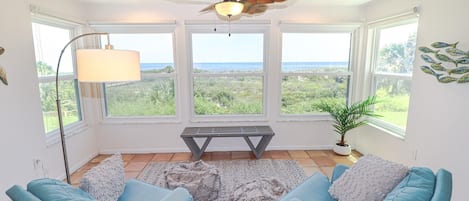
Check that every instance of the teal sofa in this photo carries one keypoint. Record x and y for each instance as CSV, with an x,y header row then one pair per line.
x,y
411,188
55,190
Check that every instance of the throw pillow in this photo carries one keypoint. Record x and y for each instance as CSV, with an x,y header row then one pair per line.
x,y
106,181
417,186
370,179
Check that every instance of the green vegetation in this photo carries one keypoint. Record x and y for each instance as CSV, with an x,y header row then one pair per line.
x,y
68,96
300,94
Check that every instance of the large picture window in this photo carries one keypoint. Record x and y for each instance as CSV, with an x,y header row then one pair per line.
x,y
315,67
154,95
392,60
228,73
49,39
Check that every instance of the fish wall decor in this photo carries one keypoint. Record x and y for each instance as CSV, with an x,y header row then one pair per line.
x,y
3,74
446,62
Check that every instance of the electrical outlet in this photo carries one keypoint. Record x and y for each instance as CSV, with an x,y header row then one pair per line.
x,y
37,163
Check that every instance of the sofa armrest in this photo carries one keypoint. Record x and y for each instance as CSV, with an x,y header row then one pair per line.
x,y
178,194
314,188
17,193
338,171
138,190
443,186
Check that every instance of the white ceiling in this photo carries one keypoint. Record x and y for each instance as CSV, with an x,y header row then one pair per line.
x,y
206,2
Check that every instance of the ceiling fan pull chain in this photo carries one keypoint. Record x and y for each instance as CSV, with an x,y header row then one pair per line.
x,y
229,25
215,22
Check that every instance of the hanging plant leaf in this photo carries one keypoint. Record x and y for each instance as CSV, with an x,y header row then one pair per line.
x,y
455,52
438,67
3,76
463,60
464,79
427,50
459,70
427,58
444,58
428,70
443,45
447,79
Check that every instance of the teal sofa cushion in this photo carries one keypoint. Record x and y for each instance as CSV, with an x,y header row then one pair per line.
x,y
17,193
56,190
418,185
314,189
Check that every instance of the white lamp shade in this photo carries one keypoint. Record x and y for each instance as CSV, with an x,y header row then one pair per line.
x,y
229,8
107,65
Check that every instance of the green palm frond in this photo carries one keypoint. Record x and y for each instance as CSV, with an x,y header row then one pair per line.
x,y
348,117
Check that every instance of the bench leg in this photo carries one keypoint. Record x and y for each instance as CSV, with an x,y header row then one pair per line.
x,y
197,152
260,148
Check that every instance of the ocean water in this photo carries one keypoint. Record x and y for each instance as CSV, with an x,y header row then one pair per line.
x,y
250,66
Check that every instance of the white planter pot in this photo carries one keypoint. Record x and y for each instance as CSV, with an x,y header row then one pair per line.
x,y
342,150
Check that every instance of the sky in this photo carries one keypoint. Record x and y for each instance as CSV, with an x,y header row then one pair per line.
x,y
206,47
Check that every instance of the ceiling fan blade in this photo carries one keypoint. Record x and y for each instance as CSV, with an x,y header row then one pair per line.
x,y
252,9
264,1
208,8
199,2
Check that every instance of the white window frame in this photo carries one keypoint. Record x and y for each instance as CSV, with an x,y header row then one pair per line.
x,y
372,57
166,27
288,27
254,27
79,126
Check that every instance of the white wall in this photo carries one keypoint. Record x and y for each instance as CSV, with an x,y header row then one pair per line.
x,y
437,124
22,135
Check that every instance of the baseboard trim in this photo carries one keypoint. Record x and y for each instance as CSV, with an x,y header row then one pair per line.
x,y
78,165
210,149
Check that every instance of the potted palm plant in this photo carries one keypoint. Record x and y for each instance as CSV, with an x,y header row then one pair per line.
x,y
347,118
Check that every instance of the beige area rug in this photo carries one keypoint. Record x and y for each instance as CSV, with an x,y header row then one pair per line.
x,y
235,172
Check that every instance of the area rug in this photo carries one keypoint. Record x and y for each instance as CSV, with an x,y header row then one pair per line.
x,y
235,172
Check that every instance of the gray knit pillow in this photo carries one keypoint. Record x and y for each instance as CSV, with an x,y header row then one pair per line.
x,y
370,179
105,182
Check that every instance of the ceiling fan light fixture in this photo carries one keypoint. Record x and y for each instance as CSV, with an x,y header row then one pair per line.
x,y
229,8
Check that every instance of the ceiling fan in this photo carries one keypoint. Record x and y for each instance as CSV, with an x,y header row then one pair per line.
x,y
230,8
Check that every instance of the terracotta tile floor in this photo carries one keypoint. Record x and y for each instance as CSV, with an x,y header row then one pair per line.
x,y
311,161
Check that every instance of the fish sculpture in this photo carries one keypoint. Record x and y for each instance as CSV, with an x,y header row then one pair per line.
x,y
3,76
438,67
441,60
459,70
428,70
455,52
443,45
447,79
464,79
427,50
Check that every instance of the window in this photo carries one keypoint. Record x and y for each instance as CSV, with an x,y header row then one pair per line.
x,y
315,67
49,39
392,59
154,95
228,73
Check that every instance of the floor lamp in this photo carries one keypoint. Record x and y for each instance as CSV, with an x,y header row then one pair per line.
x,y
97,65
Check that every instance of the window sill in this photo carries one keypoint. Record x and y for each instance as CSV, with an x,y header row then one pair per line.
x,y
141,120
304,118
388,129
228,119
53,137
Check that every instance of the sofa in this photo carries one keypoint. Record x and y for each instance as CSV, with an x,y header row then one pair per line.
x,y
55,190
411,188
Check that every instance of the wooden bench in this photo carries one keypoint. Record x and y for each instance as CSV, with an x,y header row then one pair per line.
x,y
190,133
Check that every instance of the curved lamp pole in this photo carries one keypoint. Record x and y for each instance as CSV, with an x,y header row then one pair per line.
x,y
118,65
